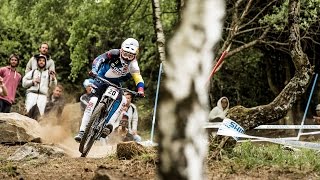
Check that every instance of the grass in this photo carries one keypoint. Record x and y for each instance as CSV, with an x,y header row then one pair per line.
x,y
249,155
9,168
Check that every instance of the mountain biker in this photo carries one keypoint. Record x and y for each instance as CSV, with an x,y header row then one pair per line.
x,y
116,66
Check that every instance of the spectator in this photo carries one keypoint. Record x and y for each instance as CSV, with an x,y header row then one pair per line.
x,y
219,112
55,102
11,79
84,99
3,89
317,116
32,64
132,117
122,130
38,82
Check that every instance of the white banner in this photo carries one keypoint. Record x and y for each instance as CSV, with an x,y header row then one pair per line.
x,y
228,124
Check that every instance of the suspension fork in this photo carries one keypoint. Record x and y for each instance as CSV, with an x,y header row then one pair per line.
x,y
108,105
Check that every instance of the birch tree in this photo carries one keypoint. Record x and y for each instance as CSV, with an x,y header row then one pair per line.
x,y
158,29
183,102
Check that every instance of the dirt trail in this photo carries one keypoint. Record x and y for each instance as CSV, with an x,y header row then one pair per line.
x,y
71,166
61,133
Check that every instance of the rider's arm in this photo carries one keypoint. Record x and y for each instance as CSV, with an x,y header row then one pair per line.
x,y
135,73
138,81
105,57
97,63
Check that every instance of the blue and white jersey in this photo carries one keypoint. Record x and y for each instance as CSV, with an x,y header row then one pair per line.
x,y
110,66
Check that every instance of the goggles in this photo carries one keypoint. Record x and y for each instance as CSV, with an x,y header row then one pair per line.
x,y
127,55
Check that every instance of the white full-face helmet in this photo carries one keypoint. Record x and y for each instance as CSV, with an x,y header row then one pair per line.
x,y
129,49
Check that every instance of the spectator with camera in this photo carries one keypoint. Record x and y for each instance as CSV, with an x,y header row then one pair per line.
x,y
38,81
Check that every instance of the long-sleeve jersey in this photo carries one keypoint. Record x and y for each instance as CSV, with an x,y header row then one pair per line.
x,y
110,66
11,80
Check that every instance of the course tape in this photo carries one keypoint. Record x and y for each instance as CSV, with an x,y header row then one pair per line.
x,y
310,133
234,130
218,124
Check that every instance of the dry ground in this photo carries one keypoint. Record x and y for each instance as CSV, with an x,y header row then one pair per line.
x,y
138,168
103,156
71,167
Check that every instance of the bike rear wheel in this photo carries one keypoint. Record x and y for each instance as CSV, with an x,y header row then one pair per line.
x,y
91,133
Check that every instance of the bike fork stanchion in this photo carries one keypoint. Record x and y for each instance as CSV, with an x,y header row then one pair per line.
x,y
307,107
155,104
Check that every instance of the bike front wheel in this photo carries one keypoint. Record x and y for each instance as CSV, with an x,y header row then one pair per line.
x,y
91,132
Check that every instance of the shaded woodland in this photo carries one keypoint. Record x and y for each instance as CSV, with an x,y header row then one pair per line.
x,y
273,54
256,69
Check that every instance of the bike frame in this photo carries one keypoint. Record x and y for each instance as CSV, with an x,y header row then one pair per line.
x,y
97,124
109,101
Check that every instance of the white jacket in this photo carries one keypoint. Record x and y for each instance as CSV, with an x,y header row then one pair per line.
x,y
43,86
218,111
133,118
33,64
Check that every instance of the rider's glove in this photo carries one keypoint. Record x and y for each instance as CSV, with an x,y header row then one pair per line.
x,y
141,92
93,74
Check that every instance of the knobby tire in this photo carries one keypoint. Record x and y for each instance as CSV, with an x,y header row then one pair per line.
x,y
87,142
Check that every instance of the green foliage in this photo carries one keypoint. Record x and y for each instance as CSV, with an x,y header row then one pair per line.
x,y
238,77
310,10
249,155
78,31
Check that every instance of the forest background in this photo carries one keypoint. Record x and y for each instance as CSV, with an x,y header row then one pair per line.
x,y
256,69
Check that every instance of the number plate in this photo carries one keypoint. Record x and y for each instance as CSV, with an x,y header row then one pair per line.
x,y
112,92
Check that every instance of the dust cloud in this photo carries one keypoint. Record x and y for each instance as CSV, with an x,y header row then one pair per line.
x,y
60,132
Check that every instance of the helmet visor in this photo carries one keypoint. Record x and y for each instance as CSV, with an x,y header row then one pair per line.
x,y
128,56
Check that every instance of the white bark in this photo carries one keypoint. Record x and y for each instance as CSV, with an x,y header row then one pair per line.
x,y
158,29
183,102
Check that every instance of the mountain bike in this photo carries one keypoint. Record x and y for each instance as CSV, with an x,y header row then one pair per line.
x,y
97,126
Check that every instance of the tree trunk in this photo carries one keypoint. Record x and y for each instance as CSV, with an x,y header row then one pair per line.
x,y
183,102
250,118
158,29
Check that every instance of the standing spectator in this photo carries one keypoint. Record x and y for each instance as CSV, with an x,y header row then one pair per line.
x,y
11,80
84,99
32,63
38,82
219,112
317,116
3,89
55,101
132,117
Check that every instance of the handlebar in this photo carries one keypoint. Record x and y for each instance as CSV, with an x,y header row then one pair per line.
x,y
112,84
